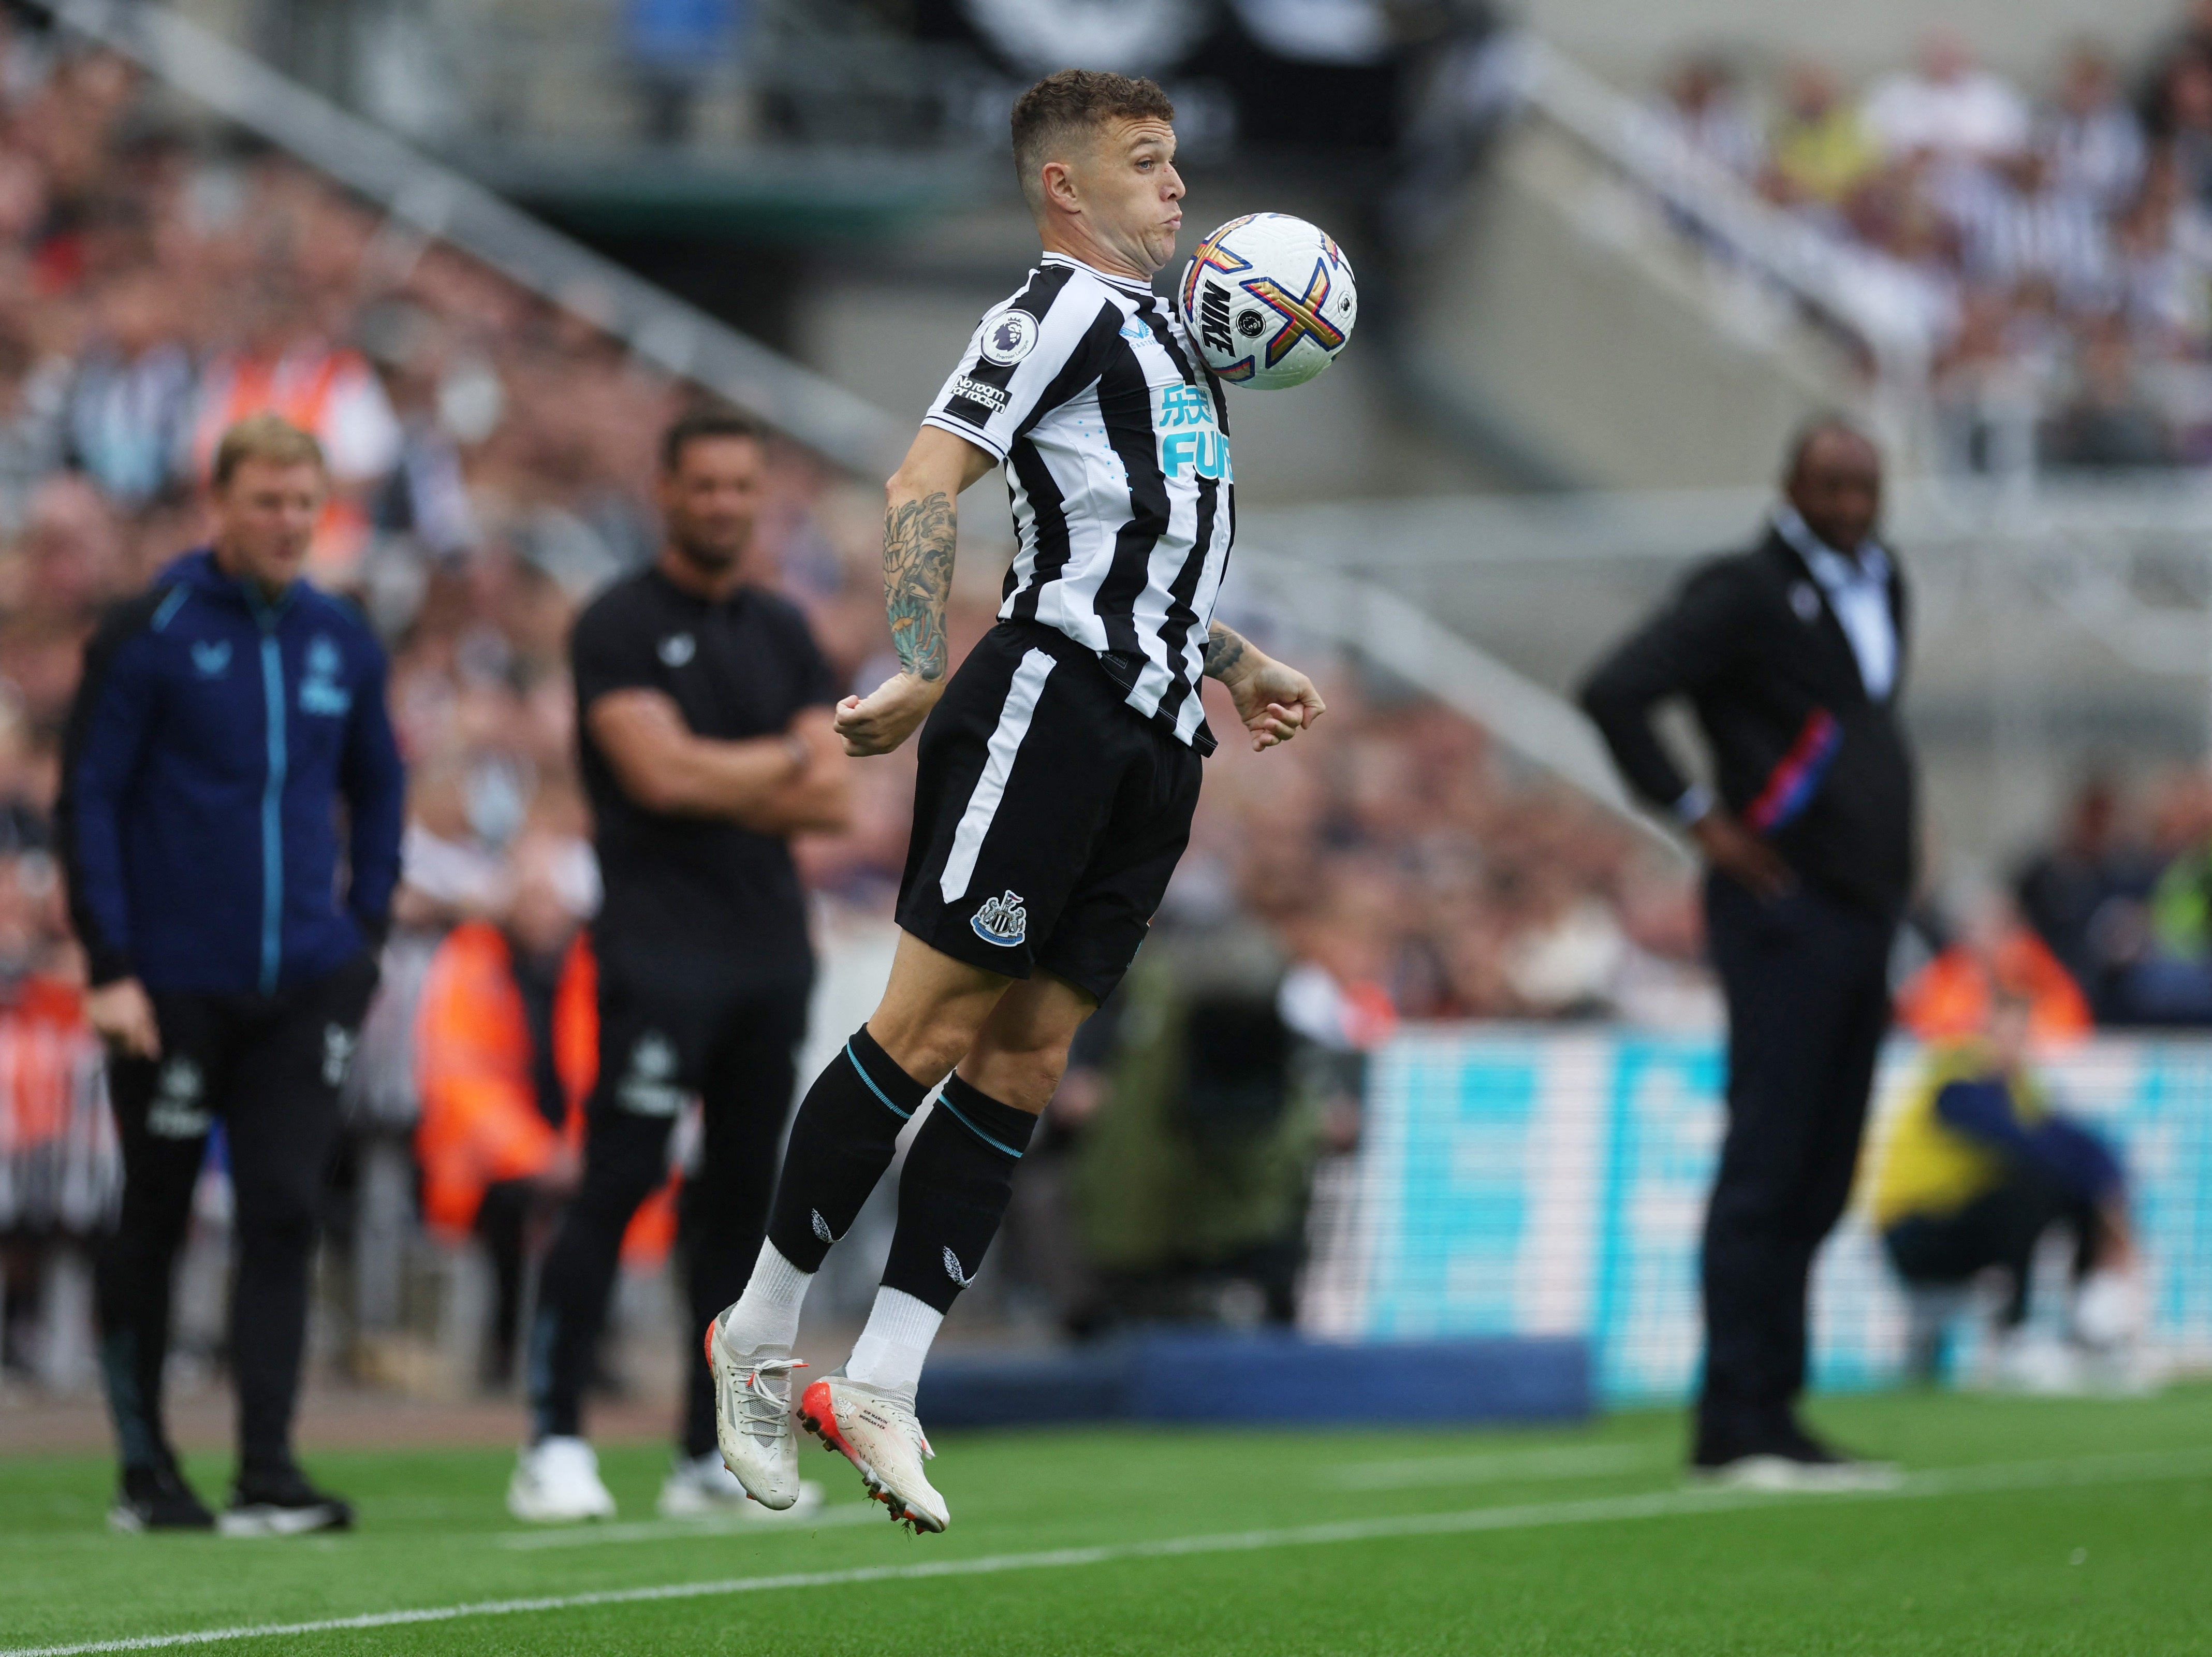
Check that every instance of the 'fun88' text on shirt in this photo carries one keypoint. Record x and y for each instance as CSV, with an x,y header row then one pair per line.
x,y
1116,441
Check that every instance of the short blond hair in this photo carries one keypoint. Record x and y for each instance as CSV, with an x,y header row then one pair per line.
x,y
266,436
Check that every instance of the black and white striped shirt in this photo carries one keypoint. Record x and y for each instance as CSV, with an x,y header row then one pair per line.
x,y
1115,443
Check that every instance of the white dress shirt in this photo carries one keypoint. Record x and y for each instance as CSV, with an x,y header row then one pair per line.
x,y
1857,587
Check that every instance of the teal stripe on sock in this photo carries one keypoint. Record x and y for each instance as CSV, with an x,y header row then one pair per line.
x,y
860,1070
995,1144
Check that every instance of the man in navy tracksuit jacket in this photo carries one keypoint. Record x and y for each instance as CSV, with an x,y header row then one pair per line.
x,y
225,716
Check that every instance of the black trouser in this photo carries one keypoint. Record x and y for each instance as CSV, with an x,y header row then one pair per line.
x,y
2000,1228
667,1027
270,1066
502,1226
1808,987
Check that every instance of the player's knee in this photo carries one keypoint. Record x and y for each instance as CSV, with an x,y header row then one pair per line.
x,y
926,1047
1024,1077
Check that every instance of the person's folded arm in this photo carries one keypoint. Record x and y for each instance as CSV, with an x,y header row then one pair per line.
x,y
819,800
665,767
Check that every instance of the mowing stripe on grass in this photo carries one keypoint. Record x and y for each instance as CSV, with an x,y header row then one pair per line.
x,y
675,1530
2137,1467
1498,1467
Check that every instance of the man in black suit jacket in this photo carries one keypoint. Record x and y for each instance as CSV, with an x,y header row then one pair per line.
x,y
1792,655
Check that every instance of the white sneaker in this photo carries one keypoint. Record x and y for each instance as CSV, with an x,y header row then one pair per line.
x,y
1791,1474
702,1487
2030,1362
556,1480
876,1432
752,1418
2108,1311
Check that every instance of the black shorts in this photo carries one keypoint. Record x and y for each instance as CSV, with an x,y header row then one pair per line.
x,y
1047,814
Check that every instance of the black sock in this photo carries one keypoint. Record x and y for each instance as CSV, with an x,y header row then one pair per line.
x,y
959,1174
841,1143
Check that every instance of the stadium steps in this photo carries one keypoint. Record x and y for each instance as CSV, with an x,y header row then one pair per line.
x,y
1563,307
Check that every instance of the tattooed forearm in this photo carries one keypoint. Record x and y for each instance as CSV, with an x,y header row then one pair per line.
x,y
918,542
1223,650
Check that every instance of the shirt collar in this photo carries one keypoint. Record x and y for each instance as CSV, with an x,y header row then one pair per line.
x,y
1870,562
1126,284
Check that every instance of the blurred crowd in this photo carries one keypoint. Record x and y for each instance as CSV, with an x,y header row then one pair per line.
x,y
493,455
2051,245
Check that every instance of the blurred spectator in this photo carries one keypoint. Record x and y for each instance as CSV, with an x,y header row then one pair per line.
x,y
2161,257
1703,106
674,44
2016,223
133,400
2067,893
1951,998
1946,105
1822,149
30,430
2184,124
2092,138
2108,424
506,1048
1978,1166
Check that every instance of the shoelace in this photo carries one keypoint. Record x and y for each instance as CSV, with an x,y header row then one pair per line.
x,y
763,1413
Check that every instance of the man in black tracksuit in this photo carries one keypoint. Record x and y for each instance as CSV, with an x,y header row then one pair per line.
x,y
224,716
1792,655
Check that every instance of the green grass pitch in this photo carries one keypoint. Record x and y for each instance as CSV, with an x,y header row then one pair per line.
x,y
2024,1526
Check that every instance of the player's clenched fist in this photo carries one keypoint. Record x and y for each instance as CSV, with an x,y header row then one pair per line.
x,y
887,715
1274,700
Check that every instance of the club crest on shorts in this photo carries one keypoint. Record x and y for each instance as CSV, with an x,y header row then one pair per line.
x,y
1002,920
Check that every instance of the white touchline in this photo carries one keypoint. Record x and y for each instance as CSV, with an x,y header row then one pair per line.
x,y
2141,1466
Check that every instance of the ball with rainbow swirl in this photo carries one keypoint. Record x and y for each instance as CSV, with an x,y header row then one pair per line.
x,y
1269,300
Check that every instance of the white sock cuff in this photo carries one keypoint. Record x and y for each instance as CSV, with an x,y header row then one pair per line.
x,y
892,1348
775,1279
767,1313
898,1316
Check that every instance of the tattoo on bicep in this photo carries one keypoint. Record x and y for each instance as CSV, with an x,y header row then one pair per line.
x,y
1223,650
918,542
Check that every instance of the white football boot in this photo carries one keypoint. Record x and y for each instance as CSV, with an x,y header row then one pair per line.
x,y
752,1418
703,1487
556,1480
876,1430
